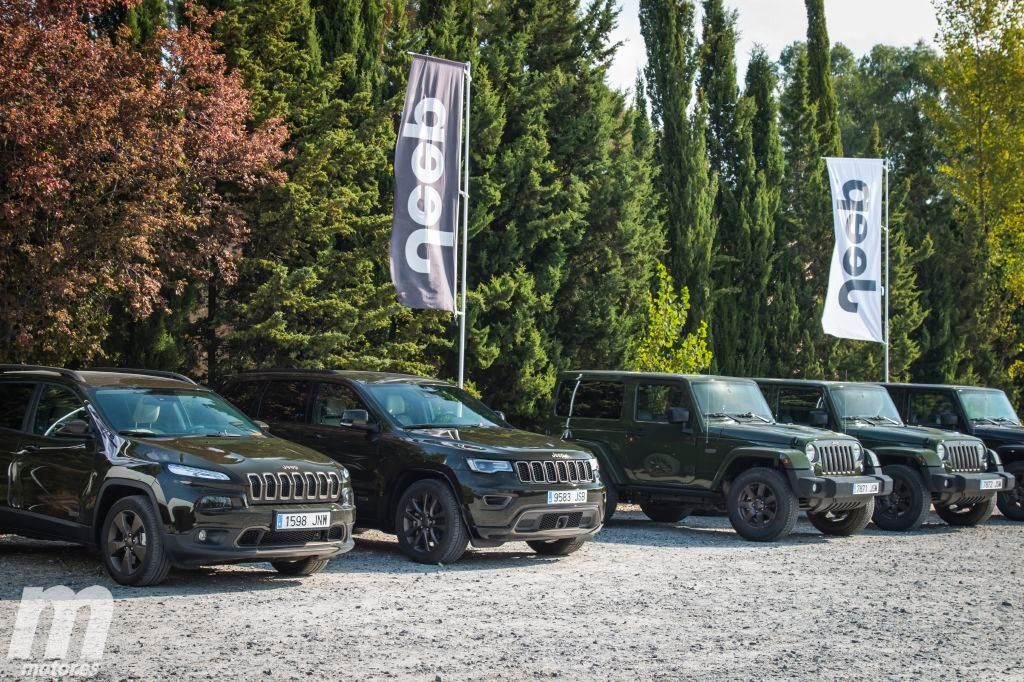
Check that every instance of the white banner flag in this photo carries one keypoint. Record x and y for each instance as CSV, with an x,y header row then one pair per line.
x,y
853,308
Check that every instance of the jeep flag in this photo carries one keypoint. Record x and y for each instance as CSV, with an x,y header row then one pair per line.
x,y
427,161
853,308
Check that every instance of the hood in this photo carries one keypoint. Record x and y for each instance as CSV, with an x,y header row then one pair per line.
x,y
904,436
238,455
782,435
500,441
999,436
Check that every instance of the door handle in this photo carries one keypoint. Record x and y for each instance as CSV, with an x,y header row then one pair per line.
x,y
27,450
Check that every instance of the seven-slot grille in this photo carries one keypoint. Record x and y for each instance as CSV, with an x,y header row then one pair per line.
x,y
295,487
964,456
836,458
561,471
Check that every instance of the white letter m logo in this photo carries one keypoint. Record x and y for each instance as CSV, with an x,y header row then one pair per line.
x,y
66,603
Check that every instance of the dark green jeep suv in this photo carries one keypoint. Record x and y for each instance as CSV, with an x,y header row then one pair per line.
x,y
671,443
156,472
432,464
954,472
984,413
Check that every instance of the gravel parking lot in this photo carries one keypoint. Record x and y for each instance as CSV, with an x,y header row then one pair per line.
x,y
644,600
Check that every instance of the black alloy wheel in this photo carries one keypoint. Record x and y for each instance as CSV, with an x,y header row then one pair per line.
x,y
1011,502
906,508
133,549
761,505
429,523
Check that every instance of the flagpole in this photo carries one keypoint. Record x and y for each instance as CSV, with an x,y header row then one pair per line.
x,y
465,232
887,294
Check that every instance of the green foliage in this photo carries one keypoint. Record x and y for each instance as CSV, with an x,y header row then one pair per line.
x,y
663,346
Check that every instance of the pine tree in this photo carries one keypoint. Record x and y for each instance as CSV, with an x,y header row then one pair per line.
x,y
687,182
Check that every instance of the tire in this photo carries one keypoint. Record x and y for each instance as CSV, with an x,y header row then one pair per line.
x,y
307,566
666,513
762,508
843,523
967,515
611,500
428,521
132,544
563,547
906,508
1011,503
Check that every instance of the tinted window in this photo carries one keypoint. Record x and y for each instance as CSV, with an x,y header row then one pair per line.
x,y
719,399
57,405
245,395
933,409
171,412
653,401
284,401
432,405
331,402
14,400
800,405
867,403
594,400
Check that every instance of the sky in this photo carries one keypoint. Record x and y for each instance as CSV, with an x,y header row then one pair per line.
x,y
859,24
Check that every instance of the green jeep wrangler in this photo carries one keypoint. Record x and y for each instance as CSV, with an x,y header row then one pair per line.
x,y
955,473
672,443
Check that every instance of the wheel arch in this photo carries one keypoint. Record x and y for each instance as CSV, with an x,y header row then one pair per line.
x,y
406,478
113,490
742,459
915,458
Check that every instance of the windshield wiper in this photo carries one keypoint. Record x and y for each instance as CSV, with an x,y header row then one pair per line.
x,y
141,433
751,415
427,426
721,415
872,420
988,420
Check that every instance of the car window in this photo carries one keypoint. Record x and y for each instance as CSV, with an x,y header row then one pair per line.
x,y
57,405
14,400
245,395
653,401
804,406
594,400
331,402
284,401
935,409
171,412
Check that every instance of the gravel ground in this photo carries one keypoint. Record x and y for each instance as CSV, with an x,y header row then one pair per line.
x,y
642,601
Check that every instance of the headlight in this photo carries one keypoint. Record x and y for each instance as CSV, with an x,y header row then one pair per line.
x,y
344,474
192,472
940,450
489,466
594,463
858,451
811,452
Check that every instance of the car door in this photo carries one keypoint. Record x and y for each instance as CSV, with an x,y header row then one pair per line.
x,y
803,406
356,448
935,408
591,410
15,398
54,467
284,407
657,451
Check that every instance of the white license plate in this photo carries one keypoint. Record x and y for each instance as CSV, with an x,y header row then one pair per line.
x,y
566,496
994,484
303,521
865,488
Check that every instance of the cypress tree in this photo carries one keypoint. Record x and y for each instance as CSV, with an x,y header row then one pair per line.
x,y
687,183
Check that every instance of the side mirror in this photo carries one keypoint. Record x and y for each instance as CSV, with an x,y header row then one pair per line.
x,y
819,418
501,415
263,426
948,419
357,419
678,415
73,428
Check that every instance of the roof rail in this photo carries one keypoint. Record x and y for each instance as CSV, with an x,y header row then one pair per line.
x,y
69,373
285,370
144,372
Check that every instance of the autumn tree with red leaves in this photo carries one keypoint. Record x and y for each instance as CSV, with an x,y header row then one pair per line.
x,y
120,173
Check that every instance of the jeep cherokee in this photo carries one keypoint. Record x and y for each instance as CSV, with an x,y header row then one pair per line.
x,y
156,472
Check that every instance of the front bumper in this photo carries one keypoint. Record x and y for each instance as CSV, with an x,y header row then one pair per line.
x,y
955,486
825,492
499,515
247,535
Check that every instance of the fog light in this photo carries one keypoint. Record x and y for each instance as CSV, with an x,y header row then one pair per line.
x,y
201,536
815,488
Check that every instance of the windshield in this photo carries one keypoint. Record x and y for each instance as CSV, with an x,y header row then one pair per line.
x,y
988,405
735,399
433,405
163,412
870,403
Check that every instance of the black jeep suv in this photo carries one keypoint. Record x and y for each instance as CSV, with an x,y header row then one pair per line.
x,y
953,472
156,472
672,443
984,413
431,463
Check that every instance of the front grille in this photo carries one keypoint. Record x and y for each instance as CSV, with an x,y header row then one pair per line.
x,y
836,458
562,471
551,521
294,487
964,456
257,537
